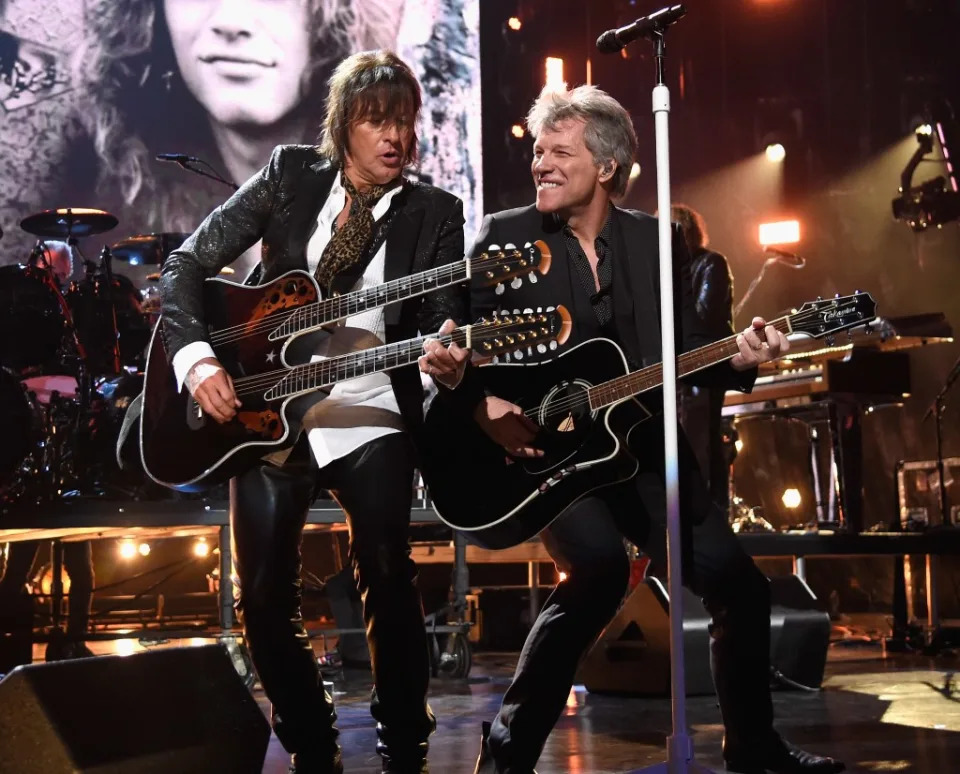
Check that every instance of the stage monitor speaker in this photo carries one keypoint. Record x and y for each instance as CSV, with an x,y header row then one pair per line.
x,y
182,710
632,655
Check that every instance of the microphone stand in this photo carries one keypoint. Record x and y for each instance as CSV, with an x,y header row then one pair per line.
x,y
212,174
679,744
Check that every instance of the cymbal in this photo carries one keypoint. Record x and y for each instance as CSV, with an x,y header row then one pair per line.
x,y
147,249
67,222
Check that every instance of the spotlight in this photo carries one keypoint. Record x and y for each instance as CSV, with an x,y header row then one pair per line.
x,y
784,232
925,129
738,444
554,74
144,549
791,498
776,152
563,576
518,131
128,549
514,23
201,548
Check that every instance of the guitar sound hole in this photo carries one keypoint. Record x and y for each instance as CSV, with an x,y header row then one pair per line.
x,y
566,410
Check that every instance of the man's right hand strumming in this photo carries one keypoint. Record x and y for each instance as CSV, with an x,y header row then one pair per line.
x,y
212,387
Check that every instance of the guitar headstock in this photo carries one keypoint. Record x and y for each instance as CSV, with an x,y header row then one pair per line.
x,y
498,264
521,333
827,316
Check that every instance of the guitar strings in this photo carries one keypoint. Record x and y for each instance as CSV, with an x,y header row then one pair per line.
x,y
576,401
409,348
443,273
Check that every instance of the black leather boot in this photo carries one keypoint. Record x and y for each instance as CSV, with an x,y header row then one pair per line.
x,y
316,763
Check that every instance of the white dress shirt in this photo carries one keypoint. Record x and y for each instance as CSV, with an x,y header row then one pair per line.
x,y
372,409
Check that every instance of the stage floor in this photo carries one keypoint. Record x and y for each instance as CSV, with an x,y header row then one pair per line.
x,y
879,714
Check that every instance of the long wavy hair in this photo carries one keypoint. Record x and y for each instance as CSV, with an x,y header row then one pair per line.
x,y
138,104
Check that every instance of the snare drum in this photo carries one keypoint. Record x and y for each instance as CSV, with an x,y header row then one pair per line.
x,y
32,317
89,304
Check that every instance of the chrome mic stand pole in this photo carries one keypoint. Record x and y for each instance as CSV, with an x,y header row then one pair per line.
x,y
679,744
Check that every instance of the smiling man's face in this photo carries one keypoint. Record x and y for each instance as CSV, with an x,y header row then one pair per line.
x,y
243,60
564,171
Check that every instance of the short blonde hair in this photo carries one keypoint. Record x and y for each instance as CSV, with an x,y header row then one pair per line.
x,y
364,85
608,131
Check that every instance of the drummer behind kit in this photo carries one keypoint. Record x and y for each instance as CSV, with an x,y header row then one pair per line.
x,y
73,336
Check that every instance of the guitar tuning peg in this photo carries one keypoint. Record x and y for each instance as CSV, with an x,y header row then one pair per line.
x,y
496,359
553,345
550,308
516,311
500,289
518,354
527,245
528,310
516,282
509,246
836,295
819,298
493,248
532,278
539,309
530,351
541,348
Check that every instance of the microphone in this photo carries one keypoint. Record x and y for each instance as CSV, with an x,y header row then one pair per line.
x,y
790,259
178,158
611,41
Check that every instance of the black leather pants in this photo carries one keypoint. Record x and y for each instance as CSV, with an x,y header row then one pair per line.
x,y
268,508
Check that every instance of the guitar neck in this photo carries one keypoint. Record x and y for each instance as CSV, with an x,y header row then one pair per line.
x,y
636,382
313,376
316,315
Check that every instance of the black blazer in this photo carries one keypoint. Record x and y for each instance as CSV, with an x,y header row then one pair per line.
x,y
280,205
636,292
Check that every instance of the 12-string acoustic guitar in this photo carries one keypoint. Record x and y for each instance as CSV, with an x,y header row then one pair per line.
x,y
184,449
585,403
257,331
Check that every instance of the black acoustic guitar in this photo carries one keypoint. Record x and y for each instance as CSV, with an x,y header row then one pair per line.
x,y
184,449
585,402
256,330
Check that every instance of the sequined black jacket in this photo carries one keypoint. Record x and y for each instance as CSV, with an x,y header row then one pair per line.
x,y
280,205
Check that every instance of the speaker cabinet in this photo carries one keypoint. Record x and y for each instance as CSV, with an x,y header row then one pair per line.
x,y
632,655
182,710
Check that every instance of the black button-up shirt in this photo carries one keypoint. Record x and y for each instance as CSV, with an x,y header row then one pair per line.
x,y
601,300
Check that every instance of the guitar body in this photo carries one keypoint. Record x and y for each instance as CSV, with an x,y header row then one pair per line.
x,y
584,449
183,448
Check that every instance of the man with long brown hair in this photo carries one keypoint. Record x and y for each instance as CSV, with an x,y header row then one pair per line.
x,y
345,212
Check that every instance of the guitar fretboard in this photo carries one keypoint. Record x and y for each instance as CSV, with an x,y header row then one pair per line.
x,y
315,315
647,378
312,376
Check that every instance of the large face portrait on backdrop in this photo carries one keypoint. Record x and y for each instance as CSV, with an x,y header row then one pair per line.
x,y
92,91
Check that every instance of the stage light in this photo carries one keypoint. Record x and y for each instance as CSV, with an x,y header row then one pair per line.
x,y
776,152
635,171
739,445
144,549
128,549
201,548
514,23
783,232
791,498
518,131
554,74
924,129
563,576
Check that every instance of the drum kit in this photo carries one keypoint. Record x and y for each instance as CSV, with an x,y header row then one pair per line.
x,y
71,357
